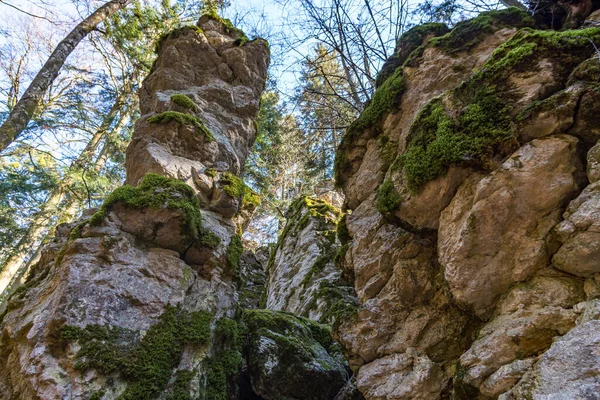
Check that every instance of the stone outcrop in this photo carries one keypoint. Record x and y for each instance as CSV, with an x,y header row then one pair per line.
x,y
304,275
143,297
471,184
462,262
138,299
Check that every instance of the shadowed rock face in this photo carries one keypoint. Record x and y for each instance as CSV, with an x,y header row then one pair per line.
x,y
473,232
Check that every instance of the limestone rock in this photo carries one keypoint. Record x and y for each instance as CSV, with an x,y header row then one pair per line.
x,y
593,163
567,370
493,234
580,234
291,358
505,377
252,277
403,303
401,376
223,82
138,299
121,284
302,276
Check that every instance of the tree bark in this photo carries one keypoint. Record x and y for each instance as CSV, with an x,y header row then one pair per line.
x,y
23,111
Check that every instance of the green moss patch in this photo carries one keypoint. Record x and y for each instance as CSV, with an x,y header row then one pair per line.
x,y
388,198
479,126
184,119
297,328
209,239
155,191
235,187
180,389
343,234
466,34
341,300
251,198
229,338
145,363
234,253
184,101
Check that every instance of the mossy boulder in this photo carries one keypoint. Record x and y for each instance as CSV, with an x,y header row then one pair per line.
x,y
161,210
292,358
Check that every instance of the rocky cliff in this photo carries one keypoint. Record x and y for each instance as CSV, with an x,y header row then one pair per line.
x,y
463,261
151,295
471,188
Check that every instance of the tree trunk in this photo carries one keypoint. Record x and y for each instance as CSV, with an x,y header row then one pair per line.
x,y
21,114
34,232
42,220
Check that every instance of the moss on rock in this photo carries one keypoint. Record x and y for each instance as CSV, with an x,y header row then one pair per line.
x,y
209,239
175,33
145,363
288,356
155,191
228,26
479,125
229,337
184,119
184,101
385,99
388,198
408,42
234,253
467,34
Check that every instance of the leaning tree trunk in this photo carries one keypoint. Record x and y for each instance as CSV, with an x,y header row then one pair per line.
x,y
23,111
42,220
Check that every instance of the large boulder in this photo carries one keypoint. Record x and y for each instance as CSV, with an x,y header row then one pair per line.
x,y
292,358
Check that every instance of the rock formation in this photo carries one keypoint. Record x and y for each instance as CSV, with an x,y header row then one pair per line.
x,y
471,183
464,262
304,276
143,298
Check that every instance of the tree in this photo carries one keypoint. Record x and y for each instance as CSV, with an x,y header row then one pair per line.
x,y
24,110
325,111
361,33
